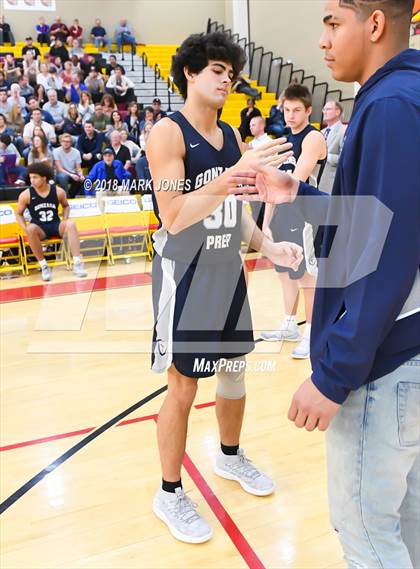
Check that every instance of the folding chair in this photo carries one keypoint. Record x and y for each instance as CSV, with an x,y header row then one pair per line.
x,y
10,245
90,224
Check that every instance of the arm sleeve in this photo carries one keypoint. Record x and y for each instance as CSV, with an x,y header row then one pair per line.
x,y
388,168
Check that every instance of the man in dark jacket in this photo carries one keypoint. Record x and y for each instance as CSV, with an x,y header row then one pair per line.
x,y
89,144
365,341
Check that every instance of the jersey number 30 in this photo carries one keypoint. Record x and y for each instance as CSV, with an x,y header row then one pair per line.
x,y
225,214
46,216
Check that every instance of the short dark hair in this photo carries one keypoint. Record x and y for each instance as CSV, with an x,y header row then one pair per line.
x,y
295,91
90,122
148,109
5,139
42,169
391,8
197,50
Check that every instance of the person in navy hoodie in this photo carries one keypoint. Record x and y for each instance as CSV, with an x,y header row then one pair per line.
x,y
365,340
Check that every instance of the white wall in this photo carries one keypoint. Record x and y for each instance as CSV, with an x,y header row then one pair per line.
x,y
153,21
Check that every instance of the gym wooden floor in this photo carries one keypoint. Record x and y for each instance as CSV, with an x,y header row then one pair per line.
x,y
75,359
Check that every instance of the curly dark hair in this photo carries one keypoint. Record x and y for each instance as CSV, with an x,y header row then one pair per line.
x,y
197,50
42,169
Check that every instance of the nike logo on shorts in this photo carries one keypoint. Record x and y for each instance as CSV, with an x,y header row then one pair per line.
x,y
292,230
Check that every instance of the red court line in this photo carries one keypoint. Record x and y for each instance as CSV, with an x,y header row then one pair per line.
x,y
87,430
35,292
238,539
74,287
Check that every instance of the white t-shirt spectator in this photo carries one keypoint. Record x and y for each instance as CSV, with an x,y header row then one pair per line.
x,y
126,83
257,141
68,160
57,111
48,128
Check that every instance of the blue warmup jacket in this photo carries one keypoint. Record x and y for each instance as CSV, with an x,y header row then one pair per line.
x,y
357,335
98,172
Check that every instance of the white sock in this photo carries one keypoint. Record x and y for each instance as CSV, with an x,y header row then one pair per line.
x,y
43,263
77,260
307,331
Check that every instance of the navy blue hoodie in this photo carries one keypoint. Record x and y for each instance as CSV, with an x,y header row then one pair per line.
x,y
356,334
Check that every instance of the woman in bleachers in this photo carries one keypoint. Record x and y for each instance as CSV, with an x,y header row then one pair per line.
x,y
43,32
73,123
148,125
43,76
17,122
30,67
41,95
85,107
116,123
5,128
76,50
149,116
135,150
11,70
66,75
108,104
132,120
40,151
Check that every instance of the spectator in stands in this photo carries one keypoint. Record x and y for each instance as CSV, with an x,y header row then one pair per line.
x,y
99,36
5,106
257,128
41,226
334,135
43,32
30,67
76,32
73,94
17,99
89,63
135,150
149,116
40,151
157,110
112,66
120,87
148,125
43,76
108,105
58,32
124,35
89,145
30,47
58,64
276,125
99,119
85,107
116,123
11,70
57,110
41,95
4,126
142,166
76,49
55,82
66,75
243,85
73,123
36,120
33,104
95,85
67,162
17,122
59,50
132,121
121,152
6,34
247,114
4,84
75,63
109,168
8,148
26,90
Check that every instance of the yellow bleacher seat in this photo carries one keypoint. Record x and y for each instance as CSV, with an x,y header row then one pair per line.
x,y
10,245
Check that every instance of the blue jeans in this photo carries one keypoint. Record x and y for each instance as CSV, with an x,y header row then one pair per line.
x,y
374,472
102,42
125,39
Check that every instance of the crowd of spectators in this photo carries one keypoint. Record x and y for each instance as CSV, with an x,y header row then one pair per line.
x,y
71,109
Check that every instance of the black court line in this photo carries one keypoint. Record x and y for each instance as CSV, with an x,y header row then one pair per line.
x,y
18,494
73,450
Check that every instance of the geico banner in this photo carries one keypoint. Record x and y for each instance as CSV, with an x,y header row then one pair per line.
x,y
84,207
7,215
121,204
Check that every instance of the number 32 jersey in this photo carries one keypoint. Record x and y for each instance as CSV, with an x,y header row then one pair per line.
x,y
217,238
43,210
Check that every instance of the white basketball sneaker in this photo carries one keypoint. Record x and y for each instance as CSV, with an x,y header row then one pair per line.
x,y
302,350
239,468
179,513
46,273
288,332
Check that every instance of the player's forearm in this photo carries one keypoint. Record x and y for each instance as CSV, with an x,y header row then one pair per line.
x,y
251,233
187,209
268,215
66,212
21,221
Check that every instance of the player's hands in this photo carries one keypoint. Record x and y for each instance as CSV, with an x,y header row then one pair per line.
x,y
270,185
311,409
272,153
284,254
